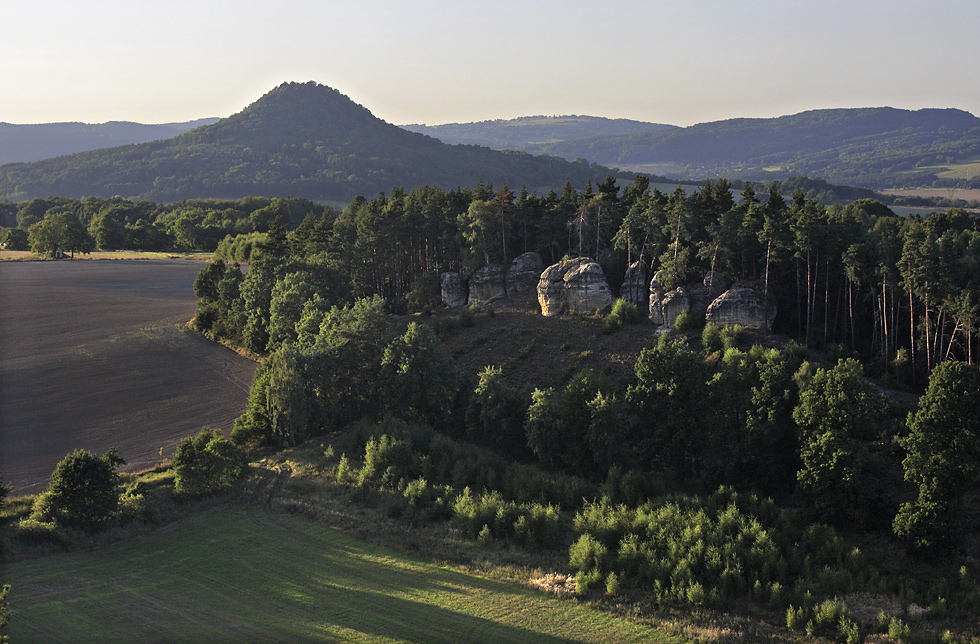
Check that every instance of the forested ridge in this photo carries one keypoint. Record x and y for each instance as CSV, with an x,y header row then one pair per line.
x,y
304,140
527,132
768,476
25,143
866,147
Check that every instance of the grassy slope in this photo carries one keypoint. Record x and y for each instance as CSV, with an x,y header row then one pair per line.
x,y
242,574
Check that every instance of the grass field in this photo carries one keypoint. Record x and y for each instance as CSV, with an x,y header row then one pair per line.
x,y
246,575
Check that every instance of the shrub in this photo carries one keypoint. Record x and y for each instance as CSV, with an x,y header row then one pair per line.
x,y
711,338
734,336
684,322
82,491
622,312
207,464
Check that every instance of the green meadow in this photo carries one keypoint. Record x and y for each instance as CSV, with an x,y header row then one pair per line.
x,y
246,575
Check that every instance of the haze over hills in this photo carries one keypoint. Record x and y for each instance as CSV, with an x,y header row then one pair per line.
x,y
301,140
867,147
528,133
24,143
312,141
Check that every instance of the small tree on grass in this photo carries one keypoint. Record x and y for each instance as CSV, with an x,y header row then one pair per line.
x,y
207,464
83,490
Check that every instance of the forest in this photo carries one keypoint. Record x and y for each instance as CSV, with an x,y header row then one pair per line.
x,y
785,472
797,440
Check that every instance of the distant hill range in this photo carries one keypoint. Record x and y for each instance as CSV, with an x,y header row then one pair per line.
x,y
868,147
47,140
301,140
532,133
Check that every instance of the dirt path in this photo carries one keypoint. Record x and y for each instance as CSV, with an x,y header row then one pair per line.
x,y
95,355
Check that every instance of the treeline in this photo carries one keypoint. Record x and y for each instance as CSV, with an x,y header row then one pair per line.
x,y
82,225
855,280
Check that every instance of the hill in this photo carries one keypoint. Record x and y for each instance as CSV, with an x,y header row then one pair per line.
x,y
25,143
869,147
528,132
303,140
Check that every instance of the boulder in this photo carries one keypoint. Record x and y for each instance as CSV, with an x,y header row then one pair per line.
x,y
635,288
745,304
524,273
453,289
573,286
673,304
586,289
487,284
702,295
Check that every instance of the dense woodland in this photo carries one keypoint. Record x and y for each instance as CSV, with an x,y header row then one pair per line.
x,y
862,292
721,472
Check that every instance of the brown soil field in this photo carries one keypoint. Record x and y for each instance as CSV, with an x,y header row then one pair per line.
x,y
96,354
950,193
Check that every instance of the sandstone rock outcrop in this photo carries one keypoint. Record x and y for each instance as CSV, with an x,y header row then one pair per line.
x,y
656,311
635,287
453,289
673,304
487,284
745,304
694,298
524,273
574,286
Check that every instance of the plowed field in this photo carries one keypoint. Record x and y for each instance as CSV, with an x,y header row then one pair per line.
x,y
95,355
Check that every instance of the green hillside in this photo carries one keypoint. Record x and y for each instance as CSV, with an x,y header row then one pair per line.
x,y
301,140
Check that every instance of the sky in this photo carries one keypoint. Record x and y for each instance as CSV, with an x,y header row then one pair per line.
x,y
445,61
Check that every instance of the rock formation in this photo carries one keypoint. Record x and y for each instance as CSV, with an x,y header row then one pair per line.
x,y
453,289
487,284
745,304
635,288
656,311
694,298
575,286
673,304
524,273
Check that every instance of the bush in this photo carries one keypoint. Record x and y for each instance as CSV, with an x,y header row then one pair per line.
x,y
82,491
207,464
734,336
711,338
622,312
684,322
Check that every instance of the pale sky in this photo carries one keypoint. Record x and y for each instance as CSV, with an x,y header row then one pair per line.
x,y
439,61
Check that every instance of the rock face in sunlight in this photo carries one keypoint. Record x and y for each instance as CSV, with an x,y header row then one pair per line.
x,y
576,286
745,304
487,284
453,289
